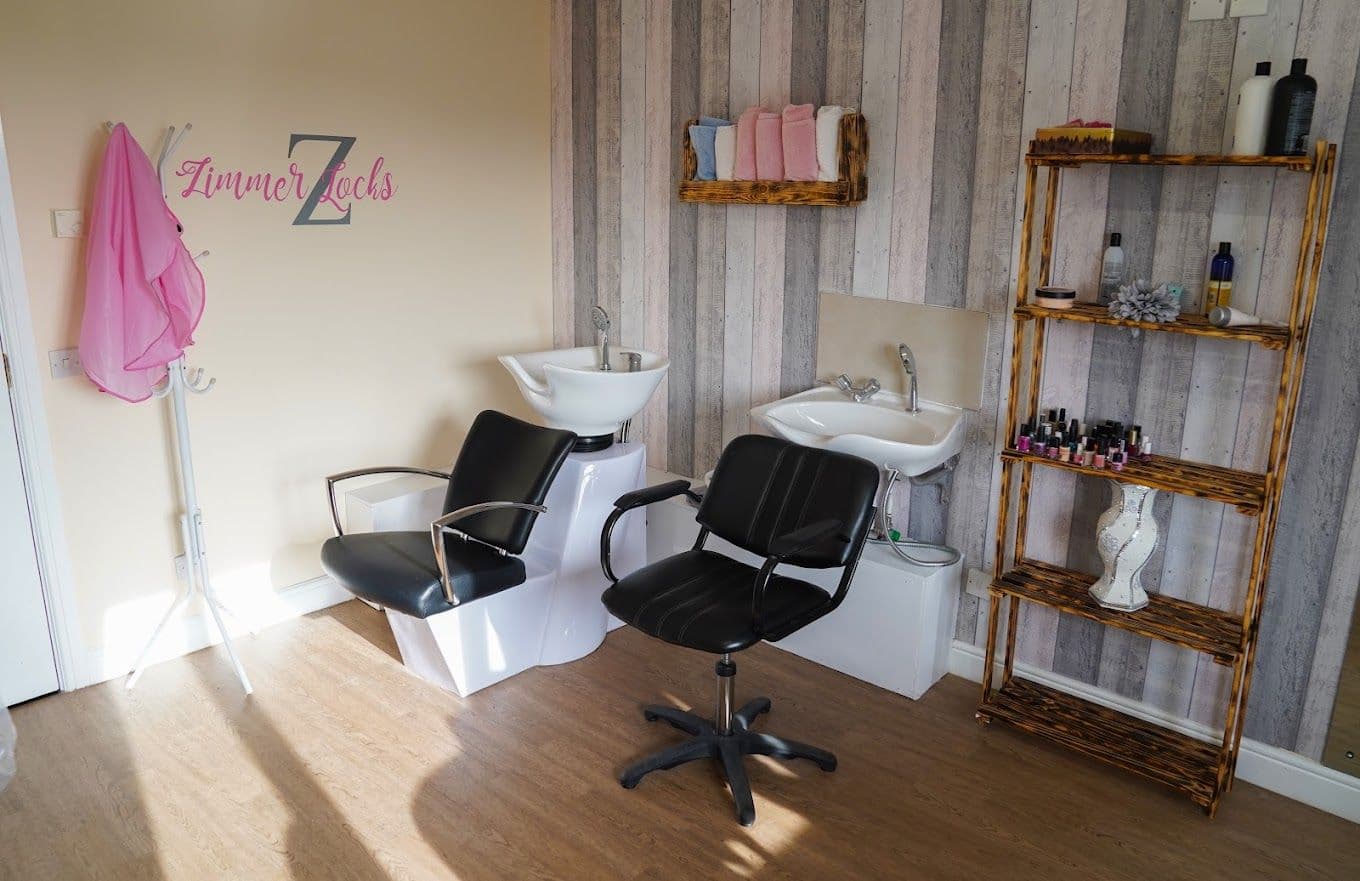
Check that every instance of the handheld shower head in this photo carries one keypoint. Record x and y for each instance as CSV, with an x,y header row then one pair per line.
x,y
600,319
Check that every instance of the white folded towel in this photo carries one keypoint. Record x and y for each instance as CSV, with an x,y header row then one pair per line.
x,y
829,142
725,151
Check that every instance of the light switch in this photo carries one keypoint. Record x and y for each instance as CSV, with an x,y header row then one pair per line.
x,y
64,363
1244,8
1207,10
68,223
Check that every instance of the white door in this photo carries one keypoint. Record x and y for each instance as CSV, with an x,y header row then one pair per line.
x,y
28,667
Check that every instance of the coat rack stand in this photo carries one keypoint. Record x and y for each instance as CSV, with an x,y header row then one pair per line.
x,y
180,382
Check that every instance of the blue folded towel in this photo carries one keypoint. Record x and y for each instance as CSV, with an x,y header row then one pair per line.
x,y
701,139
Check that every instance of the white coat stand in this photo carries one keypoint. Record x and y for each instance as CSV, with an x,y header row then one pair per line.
x,y
180,382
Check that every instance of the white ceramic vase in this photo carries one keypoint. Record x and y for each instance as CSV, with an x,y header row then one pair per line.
x,y
1126,536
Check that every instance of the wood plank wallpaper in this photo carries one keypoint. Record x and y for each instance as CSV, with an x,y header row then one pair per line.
x,y
951,91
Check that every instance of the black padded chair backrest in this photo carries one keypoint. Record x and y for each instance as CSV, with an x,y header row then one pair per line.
x,y
505,459
765,487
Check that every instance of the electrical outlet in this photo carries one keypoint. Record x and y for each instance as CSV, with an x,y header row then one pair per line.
x,y
64,363
182,568
977,583
1245,8
68,223
1207,10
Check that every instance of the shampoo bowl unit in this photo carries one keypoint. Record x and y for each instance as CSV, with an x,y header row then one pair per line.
x,y
567,388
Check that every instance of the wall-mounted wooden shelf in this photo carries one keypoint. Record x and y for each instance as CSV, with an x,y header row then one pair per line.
x,y
1288,163
1241,489
1196,627
1204,771
850,189
1196,325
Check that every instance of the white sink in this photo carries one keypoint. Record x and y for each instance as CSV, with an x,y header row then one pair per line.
x,y
569,390
879,429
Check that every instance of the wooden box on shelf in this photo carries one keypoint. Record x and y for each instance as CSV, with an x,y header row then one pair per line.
x,y
850,189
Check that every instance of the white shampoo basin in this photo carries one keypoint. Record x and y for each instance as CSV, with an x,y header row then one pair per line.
x,y
880,429
568,389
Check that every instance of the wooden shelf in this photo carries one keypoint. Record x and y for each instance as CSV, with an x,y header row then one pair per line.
x,y
772,192
1288,163
1160,754
851,189
1197,325
1243,490
1168,619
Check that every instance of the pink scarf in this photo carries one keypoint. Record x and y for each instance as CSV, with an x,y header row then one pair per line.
x,y
143,292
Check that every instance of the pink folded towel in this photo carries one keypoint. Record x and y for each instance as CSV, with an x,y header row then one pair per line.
x,y
769,147
745,166
800,143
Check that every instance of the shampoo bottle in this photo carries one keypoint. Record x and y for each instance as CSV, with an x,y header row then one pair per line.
x,y
1219,290
1291,112
1111,271
1253,113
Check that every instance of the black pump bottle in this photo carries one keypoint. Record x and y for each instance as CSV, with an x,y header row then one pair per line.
x,y
1291,112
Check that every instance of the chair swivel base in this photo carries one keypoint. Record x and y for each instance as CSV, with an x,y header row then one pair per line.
x,y
707,742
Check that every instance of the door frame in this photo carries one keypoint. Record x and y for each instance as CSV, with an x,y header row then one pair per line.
x,y
35,447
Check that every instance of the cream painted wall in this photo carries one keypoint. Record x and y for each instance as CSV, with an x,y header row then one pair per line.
x,y
333,346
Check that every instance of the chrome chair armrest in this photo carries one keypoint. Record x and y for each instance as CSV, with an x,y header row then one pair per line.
x,y
442,525
332,480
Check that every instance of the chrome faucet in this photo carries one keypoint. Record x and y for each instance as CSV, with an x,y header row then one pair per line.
x,y
860,393
601,320
909,365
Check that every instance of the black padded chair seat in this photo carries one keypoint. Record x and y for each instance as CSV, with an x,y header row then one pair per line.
x,y
702,600
397,570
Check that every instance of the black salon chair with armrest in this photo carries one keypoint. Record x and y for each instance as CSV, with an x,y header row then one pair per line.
x,y
495,492
778,500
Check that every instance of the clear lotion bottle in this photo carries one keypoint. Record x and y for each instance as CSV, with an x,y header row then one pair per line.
x,y
1111,271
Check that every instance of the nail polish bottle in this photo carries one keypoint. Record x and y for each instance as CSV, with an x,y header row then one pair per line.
x,y
1145,454
1022,442
1040,445
1099,459
1053,450
1088,456
1117,461
1062,415
1064,455
1074,428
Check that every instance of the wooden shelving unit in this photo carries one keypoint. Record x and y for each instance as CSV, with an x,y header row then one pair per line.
x,y
850,189
1202,770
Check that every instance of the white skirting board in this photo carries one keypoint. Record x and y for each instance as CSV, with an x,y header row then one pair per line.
x,y
195,630
1269,767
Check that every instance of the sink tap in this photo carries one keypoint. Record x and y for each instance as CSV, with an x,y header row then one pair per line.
x,y
909,365
600,318
860,393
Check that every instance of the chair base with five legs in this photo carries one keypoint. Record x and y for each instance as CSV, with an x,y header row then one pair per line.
x,y
728,738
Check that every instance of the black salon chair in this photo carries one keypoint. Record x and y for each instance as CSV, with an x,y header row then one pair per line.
x,y
495,493
780,501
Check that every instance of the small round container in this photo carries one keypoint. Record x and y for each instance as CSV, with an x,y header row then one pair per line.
x,y
1054,297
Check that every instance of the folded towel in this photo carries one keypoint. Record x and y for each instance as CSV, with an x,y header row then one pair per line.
x,y
701,138
800,143
769,147
745,166
725,151
829,142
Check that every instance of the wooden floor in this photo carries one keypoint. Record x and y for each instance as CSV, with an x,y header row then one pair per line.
x,y
342,766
